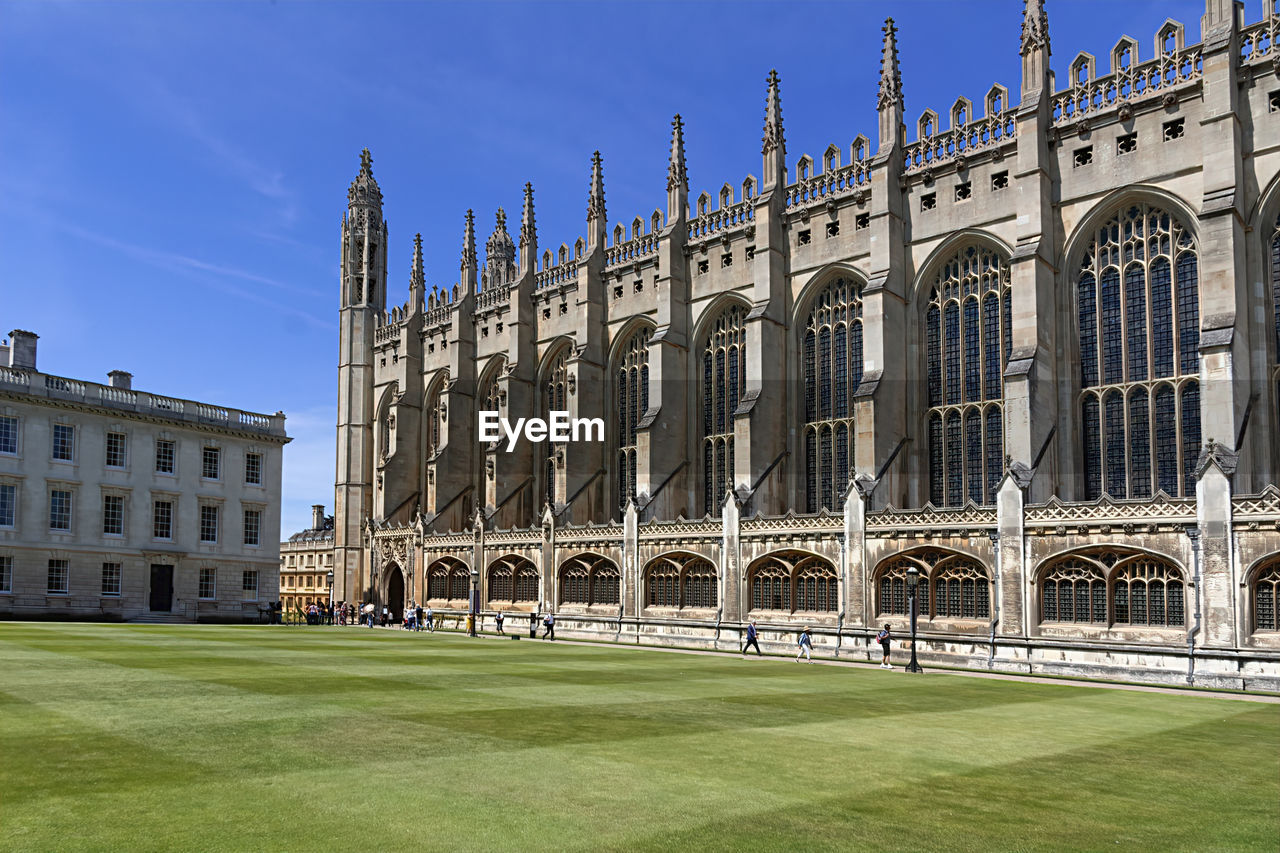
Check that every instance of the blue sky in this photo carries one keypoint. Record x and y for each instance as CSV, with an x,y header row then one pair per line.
x,y
173,175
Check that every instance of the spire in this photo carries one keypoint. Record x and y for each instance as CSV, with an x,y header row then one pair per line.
x,y
596,221
417,276
499,253
1035,26
364,189
469,253
774,148
528,233
677,174
1035,48
889,102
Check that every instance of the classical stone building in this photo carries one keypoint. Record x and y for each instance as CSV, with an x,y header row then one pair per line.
x,y
119,504
306,563
1028,346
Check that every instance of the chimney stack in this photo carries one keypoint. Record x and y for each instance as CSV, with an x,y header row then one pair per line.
x,y
122,379
22,349
317,516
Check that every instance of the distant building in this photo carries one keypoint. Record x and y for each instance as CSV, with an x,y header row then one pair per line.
x,y
306,561
120,504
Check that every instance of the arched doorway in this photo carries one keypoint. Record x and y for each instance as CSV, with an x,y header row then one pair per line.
x,y
395,592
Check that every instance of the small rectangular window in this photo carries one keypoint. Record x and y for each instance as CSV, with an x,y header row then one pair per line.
x,y
208,583
964,191
1127,144
6,574
253,469
1273,101
59,509
249,585
162,520
1082,157
928,201
164,456
726,260
999,181
111,579
8,504
833,229
751,252
252,526
703,266
208,523
116,450
8,435
211,463
64,442
113,515
862,222
1174,129
804,237
59,582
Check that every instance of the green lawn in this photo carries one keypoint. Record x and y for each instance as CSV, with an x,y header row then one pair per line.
x,y
136,737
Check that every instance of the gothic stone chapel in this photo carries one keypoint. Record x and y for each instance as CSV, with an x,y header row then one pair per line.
x,y
1029,348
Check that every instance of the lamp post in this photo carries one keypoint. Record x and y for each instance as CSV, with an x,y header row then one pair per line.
x,y
913,578
475,600
329,579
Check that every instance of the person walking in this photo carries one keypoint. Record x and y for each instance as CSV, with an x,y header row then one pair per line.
x,y
533,625
498,617
806,646
752,640
431,619
883,639
550,624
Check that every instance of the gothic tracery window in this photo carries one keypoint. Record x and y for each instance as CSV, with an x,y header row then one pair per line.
x,y
832,364
632,373
589,579
950,586
1266,597
724,378
1138,313
968,333
1113,586
435,418
443,577
793,581
680,580
512,580
553,398
1275,309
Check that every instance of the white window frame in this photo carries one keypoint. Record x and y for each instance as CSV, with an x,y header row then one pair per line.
x,y
205,457
155,508
248,593
248,457
71,502
13,507
257,527
173,456
123,449
118,577
6,574
17,436
213,508
212,574
66,578
106,499
54,443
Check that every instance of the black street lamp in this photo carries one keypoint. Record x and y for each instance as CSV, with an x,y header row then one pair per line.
x,y
913,578
475,600
329,578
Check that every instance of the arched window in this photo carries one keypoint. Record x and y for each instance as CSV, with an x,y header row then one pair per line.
x,y
435,415
1275,308
439,575
1073,590
950,586
512,579
459,583
961,590
832,355
680,580
1138,314
553,398
794,581
589,579
724,378
632,374
967,340
1146,591
1266,597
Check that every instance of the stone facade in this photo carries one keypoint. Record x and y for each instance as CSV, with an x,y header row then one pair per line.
x,y
1049,329
306,561
119,504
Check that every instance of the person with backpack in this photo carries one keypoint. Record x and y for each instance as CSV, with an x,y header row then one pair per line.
x,y
806,646
498,617
550,624
420,615
752,640
883,639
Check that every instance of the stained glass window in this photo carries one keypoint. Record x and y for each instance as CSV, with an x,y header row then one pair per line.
x,y
773,578
832,373
725,346
967,338
553,398
1139,343
1266,598
632,376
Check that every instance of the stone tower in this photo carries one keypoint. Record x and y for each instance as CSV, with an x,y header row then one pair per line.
x,y
363,281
